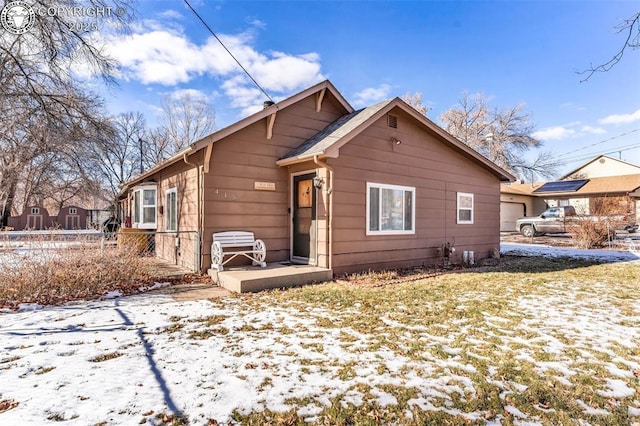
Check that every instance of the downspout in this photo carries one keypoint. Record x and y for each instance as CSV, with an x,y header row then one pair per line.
x,y
199,206
330,201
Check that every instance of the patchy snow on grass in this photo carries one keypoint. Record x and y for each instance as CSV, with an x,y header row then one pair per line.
x,y
125,360
520,249
617,389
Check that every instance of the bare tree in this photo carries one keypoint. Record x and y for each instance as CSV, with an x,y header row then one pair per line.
x,y
43,102
415,100
157,146
116,153
629,27
503,136
187,118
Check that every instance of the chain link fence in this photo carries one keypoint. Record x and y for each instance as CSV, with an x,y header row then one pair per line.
x,y
181,248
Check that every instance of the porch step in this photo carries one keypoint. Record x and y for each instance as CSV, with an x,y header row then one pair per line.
x,y
275,275
252,279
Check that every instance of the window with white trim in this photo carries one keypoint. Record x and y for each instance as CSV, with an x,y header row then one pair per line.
x,y
73,210
144,207
171,209
390,209
35,210
465,208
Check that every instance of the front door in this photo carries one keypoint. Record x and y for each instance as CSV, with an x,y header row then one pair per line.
x,y
304,219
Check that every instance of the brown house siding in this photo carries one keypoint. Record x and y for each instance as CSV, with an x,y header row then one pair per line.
x,y
436,171
246,157
184,178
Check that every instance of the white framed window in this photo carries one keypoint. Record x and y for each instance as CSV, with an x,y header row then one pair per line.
x,y
171,209
465,208
145,207
390,209
35,210
73,210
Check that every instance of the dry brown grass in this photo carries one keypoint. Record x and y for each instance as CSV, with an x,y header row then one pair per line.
x,y
45,272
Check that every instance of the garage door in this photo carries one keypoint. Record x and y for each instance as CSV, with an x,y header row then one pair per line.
x,y
509,212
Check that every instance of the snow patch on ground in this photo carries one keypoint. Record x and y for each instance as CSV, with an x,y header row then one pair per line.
x,y
520,249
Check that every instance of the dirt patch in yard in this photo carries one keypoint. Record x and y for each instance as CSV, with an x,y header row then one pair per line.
x,y
558,240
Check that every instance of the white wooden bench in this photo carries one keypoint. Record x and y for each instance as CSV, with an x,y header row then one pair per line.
x,y
223,241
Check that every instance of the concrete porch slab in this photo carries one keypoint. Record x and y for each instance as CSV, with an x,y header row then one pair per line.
x,y
275,275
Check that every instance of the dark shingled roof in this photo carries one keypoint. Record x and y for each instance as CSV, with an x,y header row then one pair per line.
x,y
331,134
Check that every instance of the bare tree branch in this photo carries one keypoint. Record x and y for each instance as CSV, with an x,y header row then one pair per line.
x,y
632,28
503,136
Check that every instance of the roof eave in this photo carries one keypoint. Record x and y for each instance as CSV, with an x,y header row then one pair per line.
x,y
300,159
502,174
266,112
169,161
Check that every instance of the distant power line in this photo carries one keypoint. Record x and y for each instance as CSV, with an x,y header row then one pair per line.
x,y
601,142
576,159
228,51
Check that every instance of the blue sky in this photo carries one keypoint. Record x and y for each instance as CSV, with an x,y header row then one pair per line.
x,y
514,52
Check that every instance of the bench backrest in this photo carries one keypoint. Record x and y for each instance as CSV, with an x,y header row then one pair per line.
x,y
234,238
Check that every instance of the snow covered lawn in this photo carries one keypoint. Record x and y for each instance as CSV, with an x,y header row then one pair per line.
x,y
558,343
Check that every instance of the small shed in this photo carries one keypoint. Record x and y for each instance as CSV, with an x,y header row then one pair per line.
x,y
32,218
72,217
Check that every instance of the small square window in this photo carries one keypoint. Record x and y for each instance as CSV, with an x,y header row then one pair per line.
x,y
35,210
73,210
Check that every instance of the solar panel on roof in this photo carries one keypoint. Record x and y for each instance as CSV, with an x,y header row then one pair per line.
x,y
562,186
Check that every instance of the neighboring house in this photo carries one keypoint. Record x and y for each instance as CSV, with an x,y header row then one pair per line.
x,y
32,218
323,184
602,166
584,188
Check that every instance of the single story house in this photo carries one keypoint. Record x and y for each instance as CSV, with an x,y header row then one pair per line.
x,y
602,166
326,185
584,188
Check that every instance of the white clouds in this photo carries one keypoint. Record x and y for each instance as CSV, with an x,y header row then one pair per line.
x,y
621,118
154,54
577,129
171,14
371,95
554,133
593,130
192,93
568,130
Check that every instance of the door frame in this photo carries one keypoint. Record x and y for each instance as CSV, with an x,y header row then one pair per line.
x,y
72,218
292,258
36,218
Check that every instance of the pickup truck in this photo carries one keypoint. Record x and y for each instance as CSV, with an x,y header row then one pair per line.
x,y
553,220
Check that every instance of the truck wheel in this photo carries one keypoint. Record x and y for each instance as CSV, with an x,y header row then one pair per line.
x,y
528,231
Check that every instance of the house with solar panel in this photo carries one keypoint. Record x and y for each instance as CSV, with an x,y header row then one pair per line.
x,y
585,188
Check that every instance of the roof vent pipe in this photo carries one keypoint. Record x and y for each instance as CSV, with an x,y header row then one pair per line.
x,y
267,104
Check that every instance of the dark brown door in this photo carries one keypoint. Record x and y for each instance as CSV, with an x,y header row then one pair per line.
x,y
304,219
